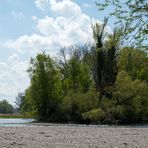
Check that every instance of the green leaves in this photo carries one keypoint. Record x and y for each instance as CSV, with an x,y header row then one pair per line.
x,y
131,97
94,116
104,65
131,12
5,107
134,61
45,85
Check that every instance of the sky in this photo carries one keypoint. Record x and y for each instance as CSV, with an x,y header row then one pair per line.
x,y
28,27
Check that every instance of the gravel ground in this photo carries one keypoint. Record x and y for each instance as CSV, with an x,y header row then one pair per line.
x,y
73,137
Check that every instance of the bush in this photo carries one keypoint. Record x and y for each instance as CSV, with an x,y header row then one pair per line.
x,y
5,107
73,105
131,98
94,116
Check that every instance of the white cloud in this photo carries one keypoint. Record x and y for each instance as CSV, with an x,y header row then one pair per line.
x,y
17,15
13,77
86,5
66,30
33,44
42,4
34,18
69,26
13,57
65,8
59,6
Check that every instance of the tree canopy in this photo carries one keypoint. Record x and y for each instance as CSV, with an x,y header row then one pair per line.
x,y
5,107
100,83
132,16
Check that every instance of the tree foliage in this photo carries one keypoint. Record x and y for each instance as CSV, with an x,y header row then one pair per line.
x,y
5,107
45,85
105,57
100,83
131,97
132,15
135,62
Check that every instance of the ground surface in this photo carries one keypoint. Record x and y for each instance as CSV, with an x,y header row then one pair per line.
x,y
72,137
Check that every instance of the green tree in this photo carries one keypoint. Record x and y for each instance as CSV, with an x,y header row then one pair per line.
x,y
24,105
20,101
74,69
132,99
135,62
104,56
45,86
132,15
5,107
76,80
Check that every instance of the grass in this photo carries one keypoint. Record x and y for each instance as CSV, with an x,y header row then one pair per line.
x,y
12,116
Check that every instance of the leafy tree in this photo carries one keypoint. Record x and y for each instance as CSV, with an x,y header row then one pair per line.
x,y
45,85
74,69
75,104
24,105
104,65
63,67
135,62
20,101
132,15
5,107
131,97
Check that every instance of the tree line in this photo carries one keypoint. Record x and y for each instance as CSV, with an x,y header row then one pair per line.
x,y
99,83
6,108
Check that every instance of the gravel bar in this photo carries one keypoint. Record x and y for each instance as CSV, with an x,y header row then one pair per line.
x,y
73,137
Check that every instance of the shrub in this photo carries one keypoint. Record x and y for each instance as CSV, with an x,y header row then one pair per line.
x,y
131,97
94,115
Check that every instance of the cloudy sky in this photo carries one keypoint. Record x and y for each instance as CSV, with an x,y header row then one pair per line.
x,y
30,26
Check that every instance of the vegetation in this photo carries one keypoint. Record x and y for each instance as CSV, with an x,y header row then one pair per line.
x,y
5,107
106,82
100,83
132,16
12,116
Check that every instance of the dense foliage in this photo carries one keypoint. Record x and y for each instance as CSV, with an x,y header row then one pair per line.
x,y
5,107
99,83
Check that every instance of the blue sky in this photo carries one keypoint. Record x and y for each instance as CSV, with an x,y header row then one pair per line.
x,y
30,26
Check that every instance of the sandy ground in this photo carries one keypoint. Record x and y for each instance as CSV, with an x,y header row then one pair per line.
x,y
72,137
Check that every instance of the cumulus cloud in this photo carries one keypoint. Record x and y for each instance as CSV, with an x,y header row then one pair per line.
x,y
13,77
42,4
69,26
66,30
65,8
60,6
34,44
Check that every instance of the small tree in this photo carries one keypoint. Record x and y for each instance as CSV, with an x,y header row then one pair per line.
x,y
45,85
5,107
20,101
104,65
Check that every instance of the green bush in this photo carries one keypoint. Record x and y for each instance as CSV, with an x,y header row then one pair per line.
x,y
131,98
94,116
5,107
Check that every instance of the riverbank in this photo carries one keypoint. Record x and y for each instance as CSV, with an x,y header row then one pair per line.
x,y
73,137
11,116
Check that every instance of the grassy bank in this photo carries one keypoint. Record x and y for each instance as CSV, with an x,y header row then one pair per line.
x,y
12,116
